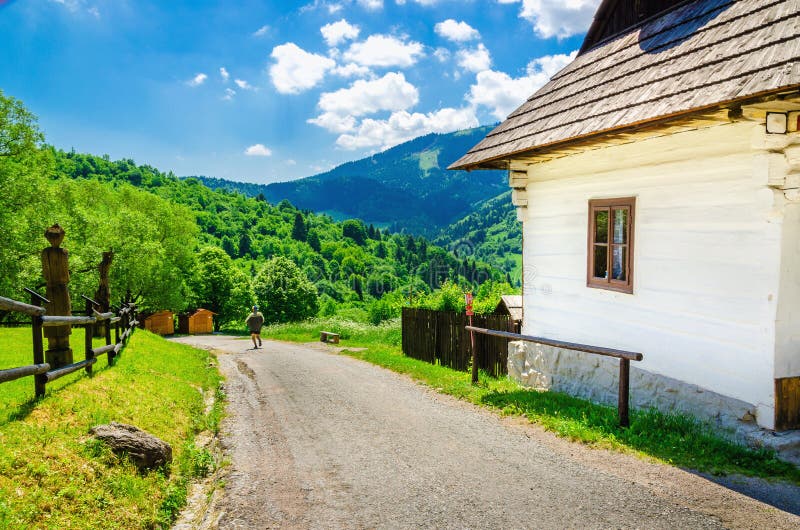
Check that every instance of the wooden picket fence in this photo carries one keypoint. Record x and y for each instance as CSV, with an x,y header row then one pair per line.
x,y
124,322
439,337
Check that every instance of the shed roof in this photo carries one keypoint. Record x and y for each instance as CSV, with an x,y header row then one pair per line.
x,y
695,57
512,303
199,311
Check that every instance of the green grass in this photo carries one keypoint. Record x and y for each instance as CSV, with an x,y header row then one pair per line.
x,y
674,439
54,475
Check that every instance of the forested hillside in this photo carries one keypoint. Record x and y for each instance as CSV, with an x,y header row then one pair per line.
x,y
491,234
179,244
406,188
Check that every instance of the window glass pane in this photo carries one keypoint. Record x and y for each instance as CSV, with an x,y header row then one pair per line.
x,y
618,271
600,261
601,226
620,226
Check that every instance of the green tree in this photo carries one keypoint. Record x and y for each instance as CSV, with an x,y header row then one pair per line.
x,y
24,195
313,240
355,230
245,245
219,286
299,230
284,292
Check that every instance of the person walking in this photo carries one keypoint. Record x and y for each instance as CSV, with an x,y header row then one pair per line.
x,y
254,322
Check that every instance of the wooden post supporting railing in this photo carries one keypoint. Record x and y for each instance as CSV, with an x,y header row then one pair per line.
x,y
88,337
625,358
39,379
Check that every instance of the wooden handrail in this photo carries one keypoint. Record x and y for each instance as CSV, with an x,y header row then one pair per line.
x,y
7,304
599,350
99,317
625,358
65,370
54,321
23,371
103,349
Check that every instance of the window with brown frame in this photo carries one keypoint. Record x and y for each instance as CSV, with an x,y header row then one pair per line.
x,y
610,252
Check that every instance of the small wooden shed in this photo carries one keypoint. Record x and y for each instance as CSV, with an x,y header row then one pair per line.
x,y
197,322
160,322
511,305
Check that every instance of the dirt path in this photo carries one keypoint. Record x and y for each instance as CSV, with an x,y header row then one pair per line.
x,y
318,440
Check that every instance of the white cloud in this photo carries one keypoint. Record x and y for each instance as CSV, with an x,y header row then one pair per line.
x,y
456,31
341,108
223,73
502,94
94,12
335,123
390,92
258,150
442,54
474,60
229,93
403,126
351,70
244,85
197,80
557,18
260,32
384,51
296,70
371,5
338,32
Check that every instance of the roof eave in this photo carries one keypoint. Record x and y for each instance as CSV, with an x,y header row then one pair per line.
x,y
506,158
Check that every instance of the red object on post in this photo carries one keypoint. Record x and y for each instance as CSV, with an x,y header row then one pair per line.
x,y
468,300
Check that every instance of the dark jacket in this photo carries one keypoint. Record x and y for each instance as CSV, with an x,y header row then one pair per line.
x,y
254,322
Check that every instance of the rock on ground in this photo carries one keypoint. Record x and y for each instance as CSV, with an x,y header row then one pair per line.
x,y
144,450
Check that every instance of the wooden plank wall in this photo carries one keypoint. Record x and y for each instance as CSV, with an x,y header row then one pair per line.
x,y
439,337
787,403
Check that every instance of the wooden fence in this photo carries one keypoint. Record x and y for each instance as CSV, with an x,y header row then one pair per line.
x,y
124,322
439,337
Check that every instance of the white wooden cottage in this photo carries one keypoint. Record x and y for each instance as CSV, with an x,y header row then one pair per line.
x,y
657,179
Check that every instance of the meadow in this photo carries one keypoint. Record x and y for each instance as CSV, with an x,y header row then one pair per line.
x,y
53,474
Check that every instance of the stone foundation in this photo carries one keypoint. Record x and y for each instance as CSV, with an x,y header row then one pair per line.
x,y
596,378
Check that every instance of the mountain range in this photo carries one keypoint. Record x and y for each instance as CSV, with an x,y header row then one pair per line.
x,y
406,188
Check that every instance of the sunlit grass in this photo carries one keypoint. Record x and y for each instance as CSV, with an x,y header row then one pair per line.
x,y
675,439
54,475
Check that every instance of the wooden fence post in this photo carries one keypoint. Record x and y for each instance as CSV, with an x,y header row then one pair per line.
x,y
624,391
108,342
39,380
88,340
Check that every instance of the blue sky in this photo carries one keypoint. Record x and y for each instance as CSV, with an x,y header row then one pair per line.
x,y
266,91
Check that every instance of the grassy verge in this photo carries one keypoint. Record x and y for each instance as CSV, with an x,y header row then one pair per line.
x,y
53,475
674,439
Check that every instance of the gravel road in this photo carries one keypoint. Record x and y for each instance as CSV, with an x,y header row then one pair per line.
x,y
319,440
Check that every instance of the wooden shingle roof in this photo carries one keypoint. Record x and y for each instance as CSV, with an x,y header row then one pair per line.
x,y
699,56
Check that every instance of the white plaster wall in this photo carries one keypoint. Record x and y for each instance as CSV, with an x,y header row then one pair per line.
x,y
787,347
706,259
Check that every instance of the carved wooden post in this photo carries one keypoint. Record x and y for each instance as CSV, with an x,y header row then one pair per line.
x,y
55,269
103,294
